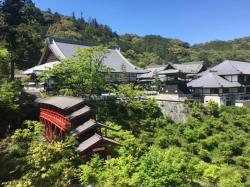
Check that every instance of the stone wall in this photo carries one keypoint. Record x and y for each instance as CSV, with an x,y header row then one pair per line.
x,y
178,111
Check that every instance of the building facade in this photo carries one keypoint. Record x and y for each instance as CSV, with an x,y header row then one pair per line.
x,y
173,77
226,83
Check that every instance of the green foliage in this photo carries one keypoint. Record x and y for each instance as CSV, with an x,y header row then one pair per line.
x,y
216,51
131,109
211,149
83,74
171,167
9,106
15,106
4,63
43,164
23,35
22,31
213,108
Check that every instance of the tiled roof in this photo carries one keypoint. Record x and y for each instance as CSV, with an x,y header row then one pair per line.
x,y
231,67
62,102
189,67
79,112
96,138
212,80
84,127
114,59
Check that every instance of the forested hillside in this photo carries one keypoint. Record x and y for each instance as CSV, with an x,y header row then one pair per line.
x,y
211,149
23,35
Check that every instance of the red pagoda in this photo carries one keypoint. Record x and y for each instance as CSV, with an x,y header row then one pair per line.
x,y
62,115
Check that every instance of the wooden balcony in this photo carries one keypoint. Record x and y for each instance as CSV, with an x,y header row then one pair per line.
x,y
59,120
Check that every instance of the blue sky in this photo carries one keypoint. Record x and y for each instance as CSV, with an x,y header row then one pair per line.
x,y
193,21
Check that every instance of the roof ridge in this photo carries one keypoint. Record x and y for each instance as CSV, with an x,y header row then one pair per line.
x,y
70,41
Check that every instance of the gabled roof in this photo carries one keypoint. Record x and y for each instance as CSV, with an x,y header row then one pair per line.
x,y
62,102
231,67
63,48
212,80
93,140
189,67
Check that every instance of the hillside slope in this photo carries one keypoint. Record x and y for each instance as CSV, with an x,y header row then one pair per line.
x,y
35,25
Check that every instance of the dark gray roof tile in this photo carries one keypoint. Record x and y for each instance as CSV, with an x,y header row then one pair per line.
x,y
114,59
212,80
84,127
79,112
232,67
62,102
92,141
189,67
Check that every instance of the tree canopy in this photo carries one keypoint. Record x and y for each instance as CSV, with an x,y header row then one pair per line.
x,y
82,75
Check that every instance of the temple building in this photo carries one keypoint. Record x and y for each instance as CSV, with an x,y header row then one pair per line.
x,y
64,115
173,77
57,49
227,83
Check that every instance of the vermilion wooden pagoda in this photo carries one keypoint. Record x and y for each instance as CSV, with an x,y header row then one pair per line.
x,y
62,115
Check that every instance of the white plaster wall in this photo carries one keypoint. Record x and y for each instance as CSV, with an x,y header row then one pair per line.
x,y
234,77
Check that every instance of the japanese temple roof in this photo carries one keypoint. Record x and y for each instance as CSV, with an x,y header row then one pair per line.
x,y
189,67
84,127
62,102
63,48
96,138
230,67
79,112
186,68
212,80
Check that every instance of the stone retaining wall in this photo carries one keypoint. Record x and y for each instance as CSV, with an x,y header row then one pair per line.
x,y
178,111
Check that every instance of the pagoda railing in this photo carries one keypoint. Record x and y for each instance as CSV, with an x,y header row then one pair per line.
x,y
54,117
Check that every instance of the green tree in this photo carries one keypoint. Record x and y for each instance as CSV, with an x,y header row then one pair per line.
x,y
172,167
84,74
4,64
22,32
45,164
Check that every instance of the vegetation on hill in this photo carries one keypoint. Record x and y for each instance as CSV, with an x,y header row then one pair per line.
x,y
25,27
211,149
